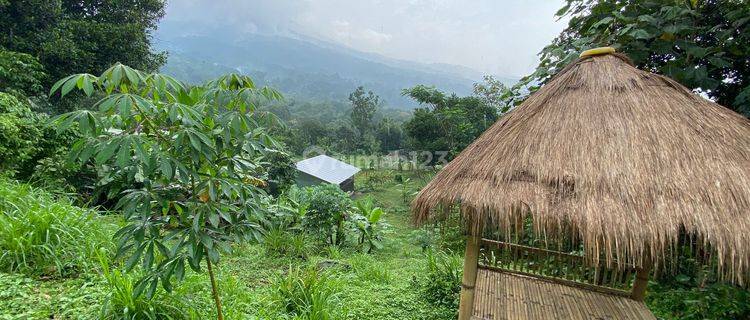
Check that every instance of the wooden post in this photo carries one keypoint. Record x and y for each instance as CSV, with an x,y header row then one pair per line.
x,y
471,262
641,281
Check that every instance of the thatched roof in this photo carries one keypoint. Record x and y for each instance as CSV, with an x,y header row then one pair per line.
x,y
623,158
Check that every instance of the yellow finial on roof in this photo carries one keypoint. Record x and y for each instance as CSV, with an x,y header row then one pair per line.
x,y
597,51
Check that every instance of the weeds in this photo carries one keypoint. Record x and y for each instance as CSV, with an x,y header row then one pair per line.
x,y
368,269
306,294
441,284
43,236
286,243
122,303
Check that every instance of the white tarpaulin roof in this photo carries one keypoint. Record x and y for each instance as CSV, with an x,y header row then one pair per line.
x,y
327,169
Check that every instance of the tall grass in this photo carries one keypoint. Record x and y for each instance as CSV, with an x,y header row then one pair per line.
x,y
122,304
44,236
306,294
442,281
281,242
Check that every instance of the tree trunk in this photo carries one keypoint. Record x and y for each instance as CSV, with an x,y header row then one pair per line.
x,y
215,291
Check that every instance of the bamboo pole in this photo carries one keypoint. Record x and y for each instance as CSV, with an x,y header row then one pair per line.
x,y
641,281
469,281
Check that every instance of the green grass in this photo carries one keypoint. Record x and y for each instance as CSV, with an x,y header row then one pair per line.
x,y
44,236
364,286
49,269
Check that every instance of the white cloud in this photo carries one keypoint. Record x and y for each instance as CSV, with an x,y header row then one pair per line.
x,y
356,37
492,36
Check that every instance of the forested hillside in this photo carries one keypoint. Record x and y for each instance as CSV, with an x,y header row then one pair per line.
x,y
302,67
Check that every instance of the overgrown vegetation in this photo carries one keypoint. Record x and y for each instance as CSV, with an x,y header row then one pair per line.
x,y
47,237
192,175
188,155
306,294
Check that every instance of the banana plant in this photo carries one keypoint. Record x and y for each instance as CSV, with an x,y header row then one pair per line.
x,y
368,223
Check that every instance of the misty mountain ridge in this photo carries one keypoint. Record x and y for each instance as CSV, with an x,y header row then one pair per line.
x,y
303,67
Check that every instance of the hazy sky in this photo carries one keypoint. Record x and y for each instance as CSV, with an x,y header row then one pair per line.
x,y
491,36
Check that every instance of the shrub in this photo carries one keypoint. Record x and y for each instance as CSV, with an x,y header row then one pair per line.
x,y
306,294
715,301
282,242
41,235
327,212
441,284
690,287
281,172
122,303
34,151
21,73
19,133
368,223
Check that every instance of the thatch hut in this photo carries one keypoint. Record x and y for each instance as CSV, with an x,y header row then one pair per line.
x,y
622,161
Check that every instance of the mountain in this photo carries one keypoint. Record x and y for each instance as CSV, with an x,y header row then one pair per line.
x,y
300,66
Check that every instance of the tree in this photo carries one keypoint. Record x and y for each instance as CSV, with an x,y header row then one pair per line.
x,y
703,44
390,134
70,36
20,129
193,152
493,93
448,123
364,106
345,137
21,73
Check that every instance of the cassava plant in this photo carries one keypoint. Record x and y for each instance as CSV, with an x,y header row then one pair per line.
x,y
192,152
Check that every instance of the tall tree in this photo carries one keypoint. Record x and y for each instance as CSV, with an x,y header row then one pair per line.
x,y
446,123
390,134
493,93
21,73
703,44
364,106
70,36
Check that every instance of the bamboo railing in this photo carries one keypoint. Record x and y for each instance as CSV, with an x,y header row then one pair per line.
x,y
561,267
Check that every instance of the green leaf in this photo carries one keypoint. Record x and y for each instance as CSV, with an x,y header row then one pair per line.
x,y
197,222
213,218
720,63
106,152
563,10
179,271
152,288
69,85
133,260
123,156
59,83
602,22
194,141
640,34
375,215
139,287
166,168
148,259
166,284
88,86
213,254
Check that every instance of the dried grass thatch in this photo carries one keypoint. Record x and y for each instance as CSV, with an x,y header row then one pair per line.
x,y
626,159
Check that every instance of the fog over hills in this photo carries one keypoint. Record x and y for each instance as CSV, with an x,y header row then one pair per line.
x,y
301,66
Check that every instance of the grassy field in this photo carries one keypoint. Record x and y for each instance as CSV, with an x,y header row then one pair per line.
x,y
65,272
380,285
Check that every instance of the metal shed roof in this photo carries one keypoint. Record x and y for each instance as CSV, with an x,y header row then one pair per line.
x,y
327,169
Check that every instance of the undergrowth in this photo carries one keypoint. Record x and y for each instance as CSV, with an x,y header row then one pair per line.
x,y
44,236
306,293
